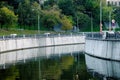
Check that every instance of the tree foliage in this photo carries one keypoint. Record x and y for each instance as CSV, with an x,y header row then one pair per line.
x,y
66,23
7,17
117,16
66,6
28,11
83,21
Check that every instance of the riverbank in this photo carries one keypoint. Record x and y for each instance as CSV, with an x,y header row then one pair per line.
x,y
10,43
104,46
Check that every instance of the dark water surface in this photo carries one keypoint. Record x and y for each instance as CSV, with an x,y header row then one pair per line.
x,y
56,63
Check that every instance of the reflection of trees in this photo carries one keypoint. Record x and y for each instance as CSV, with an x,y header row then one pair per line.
x,y
52,69
29,71
9,74
63,68
80,68
66,62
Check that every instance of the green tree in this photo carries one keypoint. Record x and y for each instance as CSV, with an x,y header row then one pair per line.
x,y
28,13
66,23
106,11
66,6
93,6
83,21
79,5
7,17
50,18
117,15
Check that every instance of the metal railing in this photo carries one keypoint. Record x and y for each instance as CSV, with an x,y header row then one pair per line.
x,y
39,35
104,35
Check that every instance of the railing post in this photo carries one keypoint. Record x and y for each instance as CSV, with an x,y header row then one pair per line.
x,y
23,35
59,35
3,37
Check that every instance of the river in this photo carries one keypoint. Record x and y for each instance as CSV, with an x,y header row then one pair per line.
x,y
68,62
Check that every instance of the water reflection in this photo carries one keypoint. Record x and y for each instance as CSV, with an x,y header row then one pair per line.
x,y
56,63
51,63
45,52
103,69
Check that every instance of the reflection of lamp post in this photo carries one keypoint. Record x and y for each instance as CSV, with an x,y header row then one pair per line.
x,y
40,76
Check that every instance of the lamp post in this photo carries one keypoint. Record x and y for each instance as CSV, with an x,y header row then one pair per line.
x,y
91,20
100,15
110,19
38,24
38,21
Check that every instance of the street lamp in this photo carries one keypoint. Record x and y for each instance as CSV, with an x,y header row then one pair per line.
x,y
100,15
110,19
91,21
38,16
38,24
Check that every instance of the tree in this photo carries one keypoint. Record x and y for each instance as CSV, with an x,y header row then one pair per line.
x,y
83,21
66,23
28,13
117,15
93,6
50,18
66,6
7,17
106,11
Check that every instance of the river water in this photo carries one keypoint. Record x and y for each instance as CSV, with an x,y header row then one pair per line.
x,y
68,62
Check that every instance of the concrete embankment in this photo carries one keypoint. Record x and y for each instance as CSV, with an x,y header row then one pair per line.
x,y
107,48
37,41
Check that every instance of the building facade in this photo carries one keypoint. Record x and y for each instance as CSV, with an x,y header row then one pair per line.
x,y
113,2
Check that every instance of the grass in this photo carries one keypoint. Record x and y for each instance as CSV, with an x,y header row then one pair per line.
x,y
19,32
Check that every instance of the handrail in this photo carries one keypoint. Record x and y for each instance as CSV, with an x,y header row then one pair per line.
x,y
39,35
104,35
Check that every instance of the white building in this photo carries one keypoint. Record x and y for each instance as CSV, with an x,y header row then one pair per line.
x,y
113,2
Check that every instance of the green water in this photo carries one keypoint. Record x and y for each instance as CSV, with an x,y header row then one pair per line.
x,y
45,65
65,67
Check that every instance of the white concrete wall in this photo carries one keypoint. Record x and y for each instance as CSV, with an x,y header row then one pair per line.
x,y
21,43
109,49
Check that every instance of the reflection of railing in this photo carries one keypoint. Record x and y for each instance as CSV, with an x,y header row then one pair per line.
x,y
104,35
